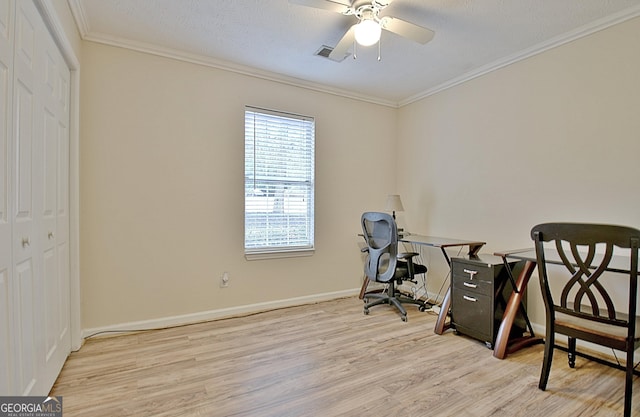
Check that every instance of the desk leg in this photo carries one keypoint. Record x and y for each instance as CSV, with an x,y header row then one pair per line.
x,y
474,249
502,346
363,290
441,323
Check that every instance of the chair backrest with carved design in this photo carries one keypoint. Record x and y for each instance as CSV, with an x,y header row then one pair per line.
x,y
587,252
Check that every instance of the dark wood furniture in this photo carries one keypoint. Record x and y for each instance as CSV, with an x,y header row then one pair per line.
x,y
577,300
436,242
505,341
479,290
443,243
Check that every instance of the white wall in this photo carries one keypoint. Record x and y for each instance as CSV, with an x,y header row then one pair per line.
x,y
555,137
162,148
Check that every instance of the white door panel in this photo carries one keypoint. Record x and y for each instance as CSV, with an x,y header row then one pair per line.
x,y
50,168
25,346
25,337
5,17
6,259
64,332
53,221
6,305
24,146
62,217
51,302
37,206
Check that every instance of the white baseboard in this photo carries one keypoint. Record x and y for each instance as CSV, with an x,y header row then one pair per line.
x,y
215,314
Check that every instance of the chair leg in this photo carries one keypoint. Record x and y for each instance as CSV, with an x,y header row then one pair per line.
x,y
378,299
407,300
393,298
398,305
548,358
628,384
571,352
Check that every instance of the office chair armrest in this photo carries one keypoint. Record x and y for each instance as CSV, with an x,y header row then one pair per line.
x,y
408,257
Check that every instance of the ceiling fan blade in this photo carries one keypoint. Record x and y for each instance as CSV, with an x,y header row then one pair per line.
x,y
383,3
407,30
340,51
323,4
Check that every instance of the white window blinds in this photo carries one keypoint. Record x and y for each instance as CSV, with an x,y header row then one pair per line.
x,y
278,182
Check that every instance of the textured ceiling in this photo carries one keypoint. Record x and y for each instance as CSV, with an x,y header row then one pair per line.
x,y
278,40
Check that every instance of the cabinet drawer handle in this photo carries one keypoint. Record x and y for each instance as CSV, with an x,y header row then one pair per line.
x,y
470,285
50,235
469,298
470,272
25,242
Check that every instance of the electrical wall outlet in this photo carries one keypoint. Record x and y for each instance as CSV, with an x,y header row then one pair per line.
x,y
224,280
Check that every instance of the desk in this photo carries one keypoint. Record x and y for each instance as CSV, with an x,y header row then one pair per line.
x,y
503,345
436,242
443,243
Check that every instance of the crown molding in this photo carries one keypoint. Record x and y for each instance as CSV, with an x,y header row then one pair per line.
x,y
581,32
230,66
82,22
80,17
598,25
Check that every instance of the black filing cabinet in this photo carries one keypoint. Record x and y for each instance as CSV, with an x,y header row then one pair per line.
x,y
479,292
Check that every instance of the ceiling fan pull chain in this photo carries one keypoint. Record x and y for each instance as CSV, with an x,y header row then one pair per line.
x,y
379,57
355,52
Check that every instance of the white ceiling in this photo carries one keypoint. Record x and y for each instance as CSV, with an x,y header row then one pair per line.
x,y
278,40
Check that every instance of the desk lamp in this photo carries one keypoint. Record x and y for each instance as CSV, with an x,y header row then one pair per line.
x,y
394,204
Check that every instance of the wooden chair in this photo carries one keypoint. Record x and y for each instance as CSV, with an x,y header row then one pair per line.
x,y
576,299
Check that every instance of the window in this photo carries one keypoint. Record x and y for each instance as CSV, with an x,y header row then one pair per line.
x,y
278,184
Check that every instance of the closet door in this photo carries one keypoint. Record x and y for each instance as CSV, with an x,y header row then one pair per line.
x,y
26,309
6,78
53,219
39,288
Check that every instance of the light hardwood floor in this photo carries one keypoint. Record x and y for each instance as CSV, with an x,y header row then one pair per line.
x,y
326,359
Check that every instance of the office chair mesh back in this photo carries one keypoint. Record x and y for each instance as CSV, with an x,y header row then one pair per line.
x,y
381,234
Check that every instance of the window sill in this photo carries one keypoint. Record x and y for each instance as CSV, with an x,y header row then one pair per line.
x,y
277,254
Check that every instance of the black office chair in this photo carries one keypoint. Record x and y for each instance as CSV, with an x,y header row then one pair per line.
x,y
576,300
385,265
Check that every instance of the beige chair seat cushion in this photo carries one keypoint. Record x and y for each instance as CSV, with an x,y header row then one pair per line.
x,y
603,329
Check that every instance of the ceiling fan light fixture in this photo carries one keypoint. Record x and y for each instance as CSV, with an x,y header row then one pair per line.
x,y
367,32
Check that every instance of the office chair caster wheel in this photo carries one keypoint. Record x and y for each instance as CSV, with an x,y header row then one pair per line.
x,y
404,318
422,309
366,311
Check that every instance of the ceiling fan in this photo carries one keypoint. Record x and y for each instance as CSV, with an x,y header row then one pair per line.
x,y
367,30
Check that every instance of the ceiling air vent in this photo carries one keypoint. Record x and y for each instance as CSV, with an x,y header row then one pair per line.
x,y
324,52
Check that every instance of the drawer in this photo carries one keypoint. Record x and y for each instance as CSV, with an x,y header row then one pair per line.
x,y
472,314
473,277
476,304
